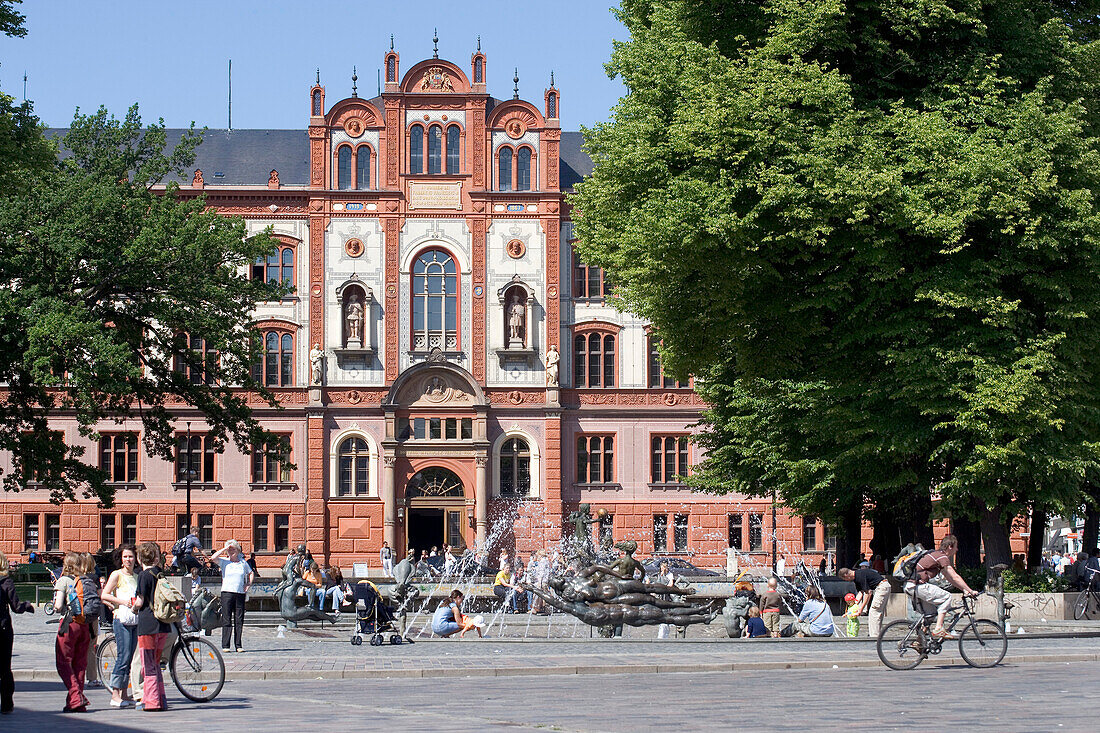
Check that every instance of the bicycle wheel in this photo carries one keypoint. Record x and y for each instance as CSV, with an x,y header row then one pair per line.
x,y
105,654
901,645
197,668
1081,606
983,643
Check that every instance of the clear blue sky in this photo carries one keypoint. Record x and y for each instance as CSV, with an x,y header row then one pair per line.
x,y
171,58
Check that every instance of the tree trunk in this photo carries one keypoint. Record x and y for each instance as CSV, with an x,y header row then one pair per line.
x,y
998,551
1037,537
969,534
916,524
1092,522
851,530
886,540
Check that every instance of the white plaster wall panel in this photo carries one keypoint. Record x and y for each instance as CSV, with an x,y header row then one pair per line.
x,y
529,138
294,308
370,269
435,115
371,138
501,268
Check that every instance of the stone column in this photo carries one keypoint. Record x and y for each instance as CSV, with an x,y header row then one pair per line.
x,y
389,504
481,497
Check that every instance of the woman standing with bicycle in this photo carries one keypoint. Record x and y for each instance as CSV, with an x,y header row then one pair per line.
x,y
151,631
119,595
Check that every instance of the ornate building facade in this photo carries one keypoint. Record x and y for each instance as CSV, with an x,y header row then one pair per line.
x,y
450,372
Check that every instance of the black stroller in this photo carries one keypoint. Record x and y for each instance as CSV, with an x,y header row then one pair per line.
x,y
373,617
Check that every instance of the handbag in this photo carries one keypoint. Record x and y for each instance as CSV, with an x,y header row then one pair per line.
x,y
126,616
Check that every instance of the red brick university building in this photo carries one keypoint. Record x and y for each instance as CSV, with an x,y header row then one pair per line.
x,y
450,372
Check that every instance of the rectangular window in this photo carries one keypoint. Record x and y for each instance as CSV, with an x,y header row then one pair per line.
x,y
269,463
106,531
30,532
657,378
467,428
118,457
756,532
53,532
206,530
282,532
588,282
735,537
607,525
195,459
660,532
259,533
668,459
435,432
436,428
809,534
595,459
830,538
129,529
680,532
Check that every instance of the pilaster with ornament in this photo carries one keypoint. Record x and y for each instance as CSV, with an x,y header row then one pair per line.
x,y
552,143
478,135
394,132
393,232
316,516
477,341
553,332
318,139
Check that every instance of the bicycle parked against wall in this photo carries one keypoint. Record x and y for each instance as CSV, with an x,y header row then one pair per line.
x,y
196,665
1087,605
904,644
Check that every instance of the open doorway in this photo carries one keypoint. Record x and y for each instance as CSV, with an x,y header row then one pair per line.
x,y
425,529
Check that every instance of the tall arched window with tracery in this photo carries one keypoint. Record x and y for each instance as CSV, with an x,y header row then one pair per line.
x,y
362,167
594,359
435,149
354,468
523,169
435,301
515,468
343,168
454,150
416,149
504,169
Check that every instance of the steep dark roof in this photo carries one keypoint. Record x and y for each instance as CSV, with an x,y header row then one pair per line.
x,y
246,157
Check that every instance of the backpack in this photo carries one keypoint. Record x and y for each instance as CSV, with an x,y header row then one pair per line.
x,y
168,603
84,604
906,567
178,547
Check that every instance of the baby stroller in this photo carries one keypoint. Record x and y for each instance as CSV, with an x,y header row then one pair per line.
x,y
372,617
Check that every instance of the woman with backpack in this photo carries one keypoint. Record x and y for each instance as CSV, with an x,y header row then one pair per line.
x,y
151,631
9,604
71,646
119,595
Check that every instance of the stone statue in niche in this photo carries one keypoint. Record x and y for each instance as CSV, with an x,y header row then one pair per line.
x,y
316,364
353,318
552,359
517,321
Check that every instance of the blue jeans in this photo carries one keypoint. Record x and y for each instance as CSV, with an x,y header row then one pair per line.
x,y
125,643
334,592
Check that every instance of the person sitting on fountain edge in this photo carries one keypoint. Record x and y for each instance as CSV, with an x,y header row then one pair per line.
x,y
755,628
448,619
505,588
815,619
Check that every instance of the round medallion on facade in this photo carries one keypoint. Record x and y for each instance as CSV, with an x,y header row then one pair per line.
x,y
444,118
435,389
670,399
354,247
391,291
515,128
515,397
353,126
355,397
478,291
515,248
316,290
552,292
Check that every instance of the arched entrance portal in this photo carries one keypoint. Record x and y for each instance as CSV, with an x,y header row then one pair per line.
x,y
436,502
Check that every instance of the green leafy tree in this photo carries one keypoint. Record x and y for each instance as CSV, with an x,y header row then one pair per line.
x,y
109,278
23,150
870,226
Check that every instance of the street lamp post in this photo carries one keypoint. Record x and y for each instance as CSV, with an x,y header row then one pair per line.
x,y
775,538
187,474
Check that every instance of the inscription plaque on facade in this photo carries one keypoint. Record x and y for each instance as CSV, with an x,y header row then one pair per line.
x,y
435,195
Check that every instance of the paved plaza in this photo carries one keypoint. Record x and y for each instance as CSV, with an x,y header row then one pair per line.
x,y
315,677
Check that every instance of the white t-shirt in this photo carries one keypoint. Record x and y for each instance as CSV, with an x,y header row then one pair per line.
x,y
234,574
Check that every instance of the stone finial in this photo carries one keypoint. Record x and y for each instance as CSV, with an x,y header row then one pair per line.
x,y
515,82
196,180
318,76
354,79
435,44
273,179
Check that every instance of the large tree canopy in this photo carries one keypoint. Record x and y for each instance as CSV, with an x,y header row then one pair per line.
x,y
104,275
871,227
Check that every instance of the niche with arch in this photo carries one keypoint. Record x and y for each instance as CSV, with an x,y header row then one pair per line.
x,y
357,321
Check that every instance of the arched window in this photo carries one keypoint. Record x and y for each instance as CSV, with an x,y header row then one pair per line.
x,y
435,301
515,468
435,148
523,170
354,457
416,149
504,175
274,362
362,167
479,70
552,105
316,102
391,69
594,360
277,267
343,168
454,150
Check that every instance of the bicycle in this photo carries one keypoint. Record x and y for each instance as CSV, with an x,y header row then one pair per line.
x,y
904,644
1088,600
196,665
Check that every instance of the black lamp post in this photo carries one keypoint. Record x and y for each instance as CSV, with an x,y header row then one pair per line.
x,y
775,538
187,476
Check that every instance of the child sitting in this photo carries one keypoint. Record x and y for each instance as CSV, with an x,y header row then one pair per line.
x,y
852,614
755,627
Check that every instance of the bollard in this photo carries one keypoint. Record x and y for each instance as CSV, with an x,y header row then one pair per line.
x,y
280,633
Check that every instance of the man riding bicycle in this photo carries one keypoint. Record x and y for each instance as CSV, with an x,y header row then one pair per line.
x,y
932,596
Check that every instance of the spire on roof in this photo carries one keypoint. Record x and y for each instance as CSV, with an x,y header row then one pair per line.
x,y
391,41
551,78
515,82
354,78
318,76
435,42
479,44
